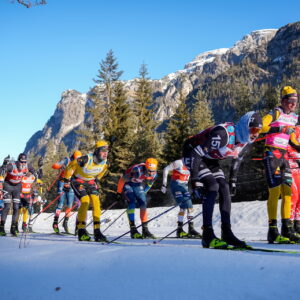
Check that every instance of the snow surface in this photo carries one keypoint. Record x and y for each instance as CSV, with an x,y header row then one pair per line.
x,y
50,266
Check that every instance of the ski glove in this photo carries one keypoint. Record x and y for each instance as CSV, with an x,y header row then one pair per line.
x,y
287,129
67,186
163,189
6,160
197,189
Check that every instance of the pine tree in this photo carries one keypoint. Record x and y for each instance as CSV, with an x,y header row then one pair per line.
x,y
244,102
146,143
177,131
201,116
100,97
108,74
118,129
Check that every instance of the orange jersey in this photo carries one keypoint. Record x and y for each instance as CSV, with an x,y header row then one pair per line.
x,y
27,183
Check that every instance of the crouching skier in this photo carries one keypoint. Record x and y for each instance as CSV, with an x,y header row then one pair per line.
x,y
86,171
201,155
181,194
134,185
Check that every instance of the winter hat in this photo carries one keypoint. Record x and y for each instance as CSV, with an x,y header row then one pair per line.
x,y
250,119
255,121
287,92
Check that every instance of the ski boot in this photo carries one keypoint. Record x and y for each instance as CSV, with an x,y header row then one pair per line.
x,y
209,240
146,234
192,233
55,225
297,226
180,233
30,226
65,225
274,236
24,226
76,227
13,229
287,230
99,236
2,230
83,235
228,236
134,234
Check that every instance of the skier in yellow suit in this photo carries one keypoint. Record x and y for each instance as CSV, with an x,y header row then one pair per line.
x,y
83,174
279,127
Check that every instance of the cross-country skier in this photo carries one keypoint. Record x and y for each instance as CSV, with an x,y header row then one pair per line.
x,y
68,196
27,196
279,125
12,188
84,173
1,195
134,185
201,155
180,191
294,161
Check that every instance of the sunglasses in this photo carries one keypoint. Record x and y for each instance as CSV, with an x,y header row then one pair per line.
x,y
254,130
292,101
104,149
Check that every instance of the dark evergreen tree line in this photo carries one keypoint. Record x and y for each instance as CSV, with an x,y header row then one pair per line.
x,y
129,126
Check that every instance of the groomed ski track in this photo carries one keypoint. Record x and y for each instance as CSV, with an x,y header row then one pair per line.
x,y
50,266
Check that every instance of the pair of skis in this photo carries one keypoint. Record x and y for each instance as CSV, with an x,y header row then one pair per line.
x,y
229,248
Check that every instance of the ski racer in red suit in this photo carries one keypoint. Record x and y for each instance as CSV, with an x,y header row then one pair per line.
x,y
294,161
12,187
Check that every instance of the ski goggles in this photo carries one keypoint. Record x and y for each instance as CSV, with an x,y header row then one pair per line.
x,y
254,130
103,149
292,100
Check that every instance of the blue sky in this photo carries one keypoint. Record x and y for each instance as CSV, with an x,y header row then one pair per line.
x,y
48,49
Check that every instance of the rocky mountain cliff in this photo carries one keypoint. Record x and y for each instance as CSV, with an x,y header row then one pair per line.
x,y
263,55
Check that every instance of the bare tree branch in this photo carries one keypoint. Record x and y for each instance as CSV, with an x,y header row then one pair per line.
x,y
28,3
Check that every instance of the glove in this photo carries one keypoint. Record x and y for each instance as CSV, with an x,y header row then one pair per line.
x,y
232,187
163,189
6,160
119,198
67,186
197,189
287,129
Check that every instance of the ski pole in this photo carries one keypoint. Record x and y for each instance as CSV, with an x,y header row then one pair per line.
x,y
159,215
188,221
49,216
115,220
48,205
50,187
113,204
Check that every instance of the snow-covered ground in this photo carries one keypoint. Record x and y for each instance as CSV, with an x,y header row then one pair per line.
x,y
54,266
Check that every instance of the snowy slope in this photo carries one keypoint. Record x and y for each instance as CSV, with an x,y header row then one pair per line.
x,y
59,267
